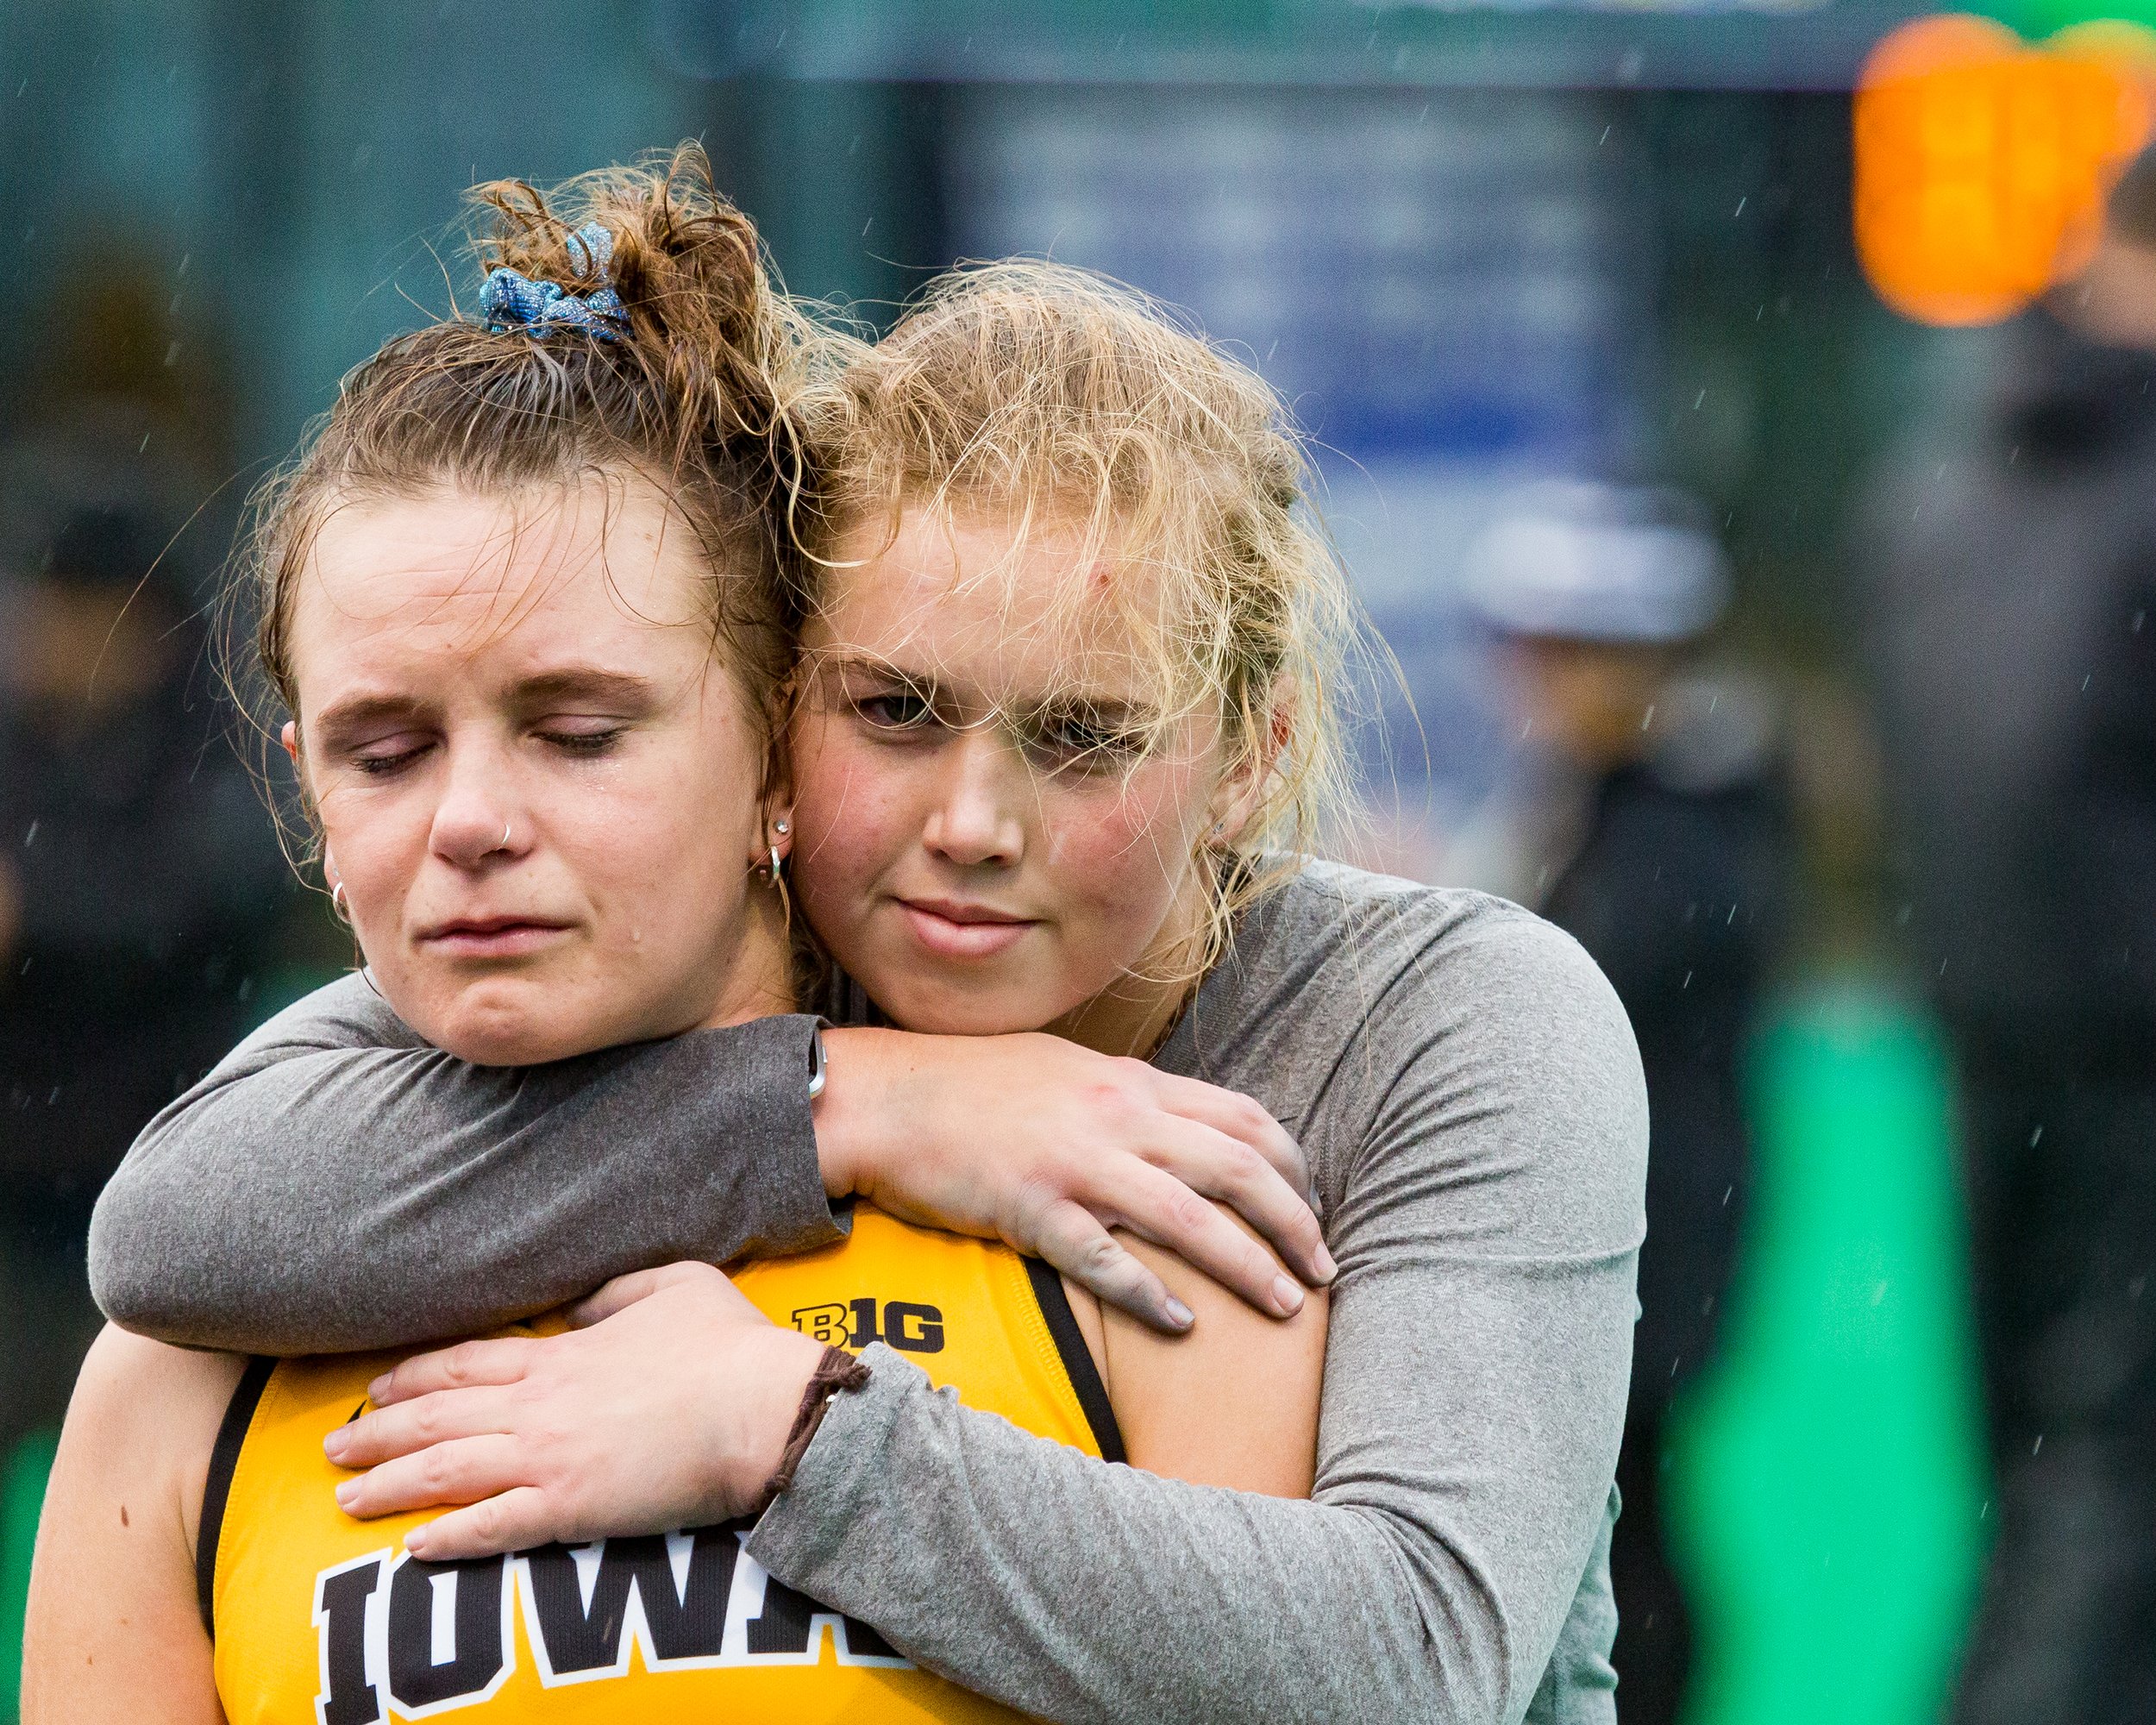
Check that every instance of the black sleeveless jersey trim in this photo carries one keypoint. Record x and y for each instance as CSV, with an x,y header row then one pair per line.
x,y
1077,1357
238,1415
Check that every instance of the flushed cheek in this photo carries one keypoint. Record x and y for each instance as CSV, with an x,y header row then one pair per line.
x,y
626,847
655,888
1110,827
852,816
1117,857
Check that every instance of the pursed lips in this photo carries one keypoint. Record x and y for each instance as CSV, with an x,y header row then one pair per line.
x,y
497,936
949,929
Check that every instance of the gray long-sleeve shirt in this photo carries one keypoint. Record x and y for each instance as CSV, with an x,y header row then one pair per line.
x,y
1466,1088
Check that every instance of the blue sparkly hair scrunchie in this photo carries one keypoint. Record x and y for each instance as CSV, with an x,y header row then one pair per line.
x,y
511,300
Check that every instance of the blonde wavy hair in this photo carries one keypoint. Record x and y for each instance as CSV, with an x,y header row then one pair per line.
x,y
1056,400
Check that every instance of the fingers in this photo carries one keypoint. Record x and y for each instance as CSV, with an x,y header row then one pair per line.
x,y
1068,1236
460,1471
610,1297
1238,1116
1160,1207
624,1291
513,1520
1226,1167
404,1427
462,1367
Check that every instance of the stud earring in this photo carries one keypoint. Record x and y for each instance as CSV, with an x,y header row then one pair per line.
x,y
781,827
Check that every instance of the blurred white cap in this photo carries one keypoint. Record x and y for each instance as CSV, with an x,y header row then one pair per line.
x,y
1586,561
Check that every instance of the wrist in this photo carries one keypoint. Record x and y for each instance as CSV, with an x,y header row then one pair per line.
x,y
796,1376
863,1076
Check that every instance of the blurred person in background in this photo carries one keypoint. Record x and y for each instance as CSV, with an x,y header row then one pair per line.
x,y
138,874
2016,664
1649,825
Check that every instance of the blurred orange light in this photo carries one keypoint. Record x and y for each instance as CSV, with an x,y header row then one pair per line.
x,y
1981,165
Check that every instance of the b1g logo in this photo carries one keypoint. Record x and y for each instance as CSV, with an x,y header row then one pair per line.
x,y
399,1636
902,1324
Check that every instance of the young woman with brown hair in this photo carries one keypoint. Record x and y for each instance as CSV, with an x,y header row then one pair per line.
x,y
533,572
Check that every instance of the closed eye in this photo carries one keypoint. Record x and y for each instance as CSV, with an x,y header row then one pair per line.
x,y
387,756
572,740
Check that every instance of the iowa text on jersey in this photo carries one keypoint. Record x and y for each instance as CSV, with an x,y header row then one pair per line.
x,y
431,1637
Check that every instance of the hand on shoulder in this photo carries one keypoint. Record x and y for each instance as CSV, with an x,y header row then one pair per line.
x,y
1047,1146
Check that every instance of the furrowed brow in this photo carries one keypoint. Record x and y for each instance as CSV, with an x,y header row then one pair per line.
x,y
867,665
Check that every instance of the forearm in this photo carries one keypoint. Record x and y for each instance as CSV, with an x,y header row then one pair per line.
x,y
314,1195
1427,1579
336,1183
1077,1591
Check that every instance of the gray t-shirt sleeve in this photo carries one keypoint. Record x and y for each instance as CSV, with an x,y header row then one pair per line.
x,y
1467,1086
1580,1687
337,1184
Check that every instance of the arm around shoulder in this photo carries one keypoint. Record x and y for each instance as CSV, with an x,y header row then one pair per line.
x,y
304,1196
1481,1148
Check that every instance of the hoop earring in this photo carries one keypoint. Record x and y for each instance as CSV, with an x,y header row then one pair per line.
x,y
773,869
336,903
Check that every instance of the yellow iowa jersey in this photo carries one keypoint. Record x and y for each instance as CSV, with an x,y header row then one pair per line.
x,y
319,1617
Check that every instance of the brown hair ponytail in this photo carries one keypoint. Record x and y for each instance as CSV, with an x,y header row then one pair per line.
x,y
694,384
